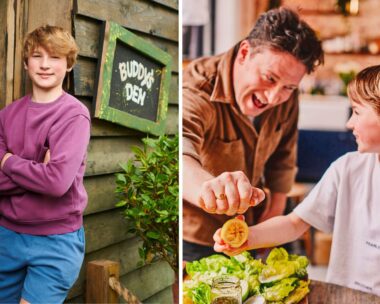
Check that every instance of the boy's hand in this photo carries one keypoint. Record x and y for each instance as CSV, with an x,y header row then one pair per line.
x,y
229,193
221,246
5,157
47,157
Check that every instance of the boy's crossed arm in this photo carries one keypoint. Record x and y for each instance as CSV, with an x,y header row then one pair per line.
x,y
9,187
68,147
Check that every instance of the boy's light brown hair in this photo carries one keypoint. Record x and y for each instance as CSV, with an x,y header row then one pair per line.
x,y
55,40
366,87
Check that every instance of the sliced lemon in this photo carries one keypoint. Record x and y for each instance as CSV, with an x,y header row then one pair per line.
x,y
234,232
187,300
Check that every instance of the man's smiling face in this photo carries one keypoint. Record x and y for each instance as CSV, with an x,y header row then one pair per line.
x,y
265,78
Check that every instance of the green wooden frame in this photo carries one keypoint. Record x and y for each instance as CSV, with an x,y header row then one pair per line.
x,y
101,109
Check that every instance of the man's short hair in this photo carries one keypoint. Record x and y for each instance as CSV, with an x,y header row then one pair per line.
x,y
282,29
55,40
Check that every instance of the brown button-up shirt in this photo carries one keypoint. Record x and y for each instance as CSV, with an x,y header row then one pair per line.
x,y
222,139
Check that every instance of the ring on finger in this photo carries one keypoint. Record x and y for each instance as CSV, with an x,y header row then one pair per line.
x,y
221,196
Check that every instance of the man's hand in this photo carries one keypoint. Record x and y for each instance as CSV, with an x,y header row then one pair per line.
x,y
47,157
229,193
5,157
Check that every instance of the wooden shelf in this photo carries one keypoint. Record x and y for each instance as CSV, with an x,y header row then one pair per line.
x,y
331,12
351,54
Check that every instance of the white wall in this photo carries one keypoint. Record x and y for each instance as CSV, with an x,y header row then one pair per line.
x,y
227,23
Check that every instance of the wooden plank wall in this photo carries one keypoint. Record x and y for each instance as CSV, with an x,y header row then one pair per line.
x,y
7,39
106,237
3,52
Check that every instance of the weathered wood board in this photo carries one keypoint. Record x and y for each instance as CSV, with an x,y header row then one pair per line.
x,y
134,14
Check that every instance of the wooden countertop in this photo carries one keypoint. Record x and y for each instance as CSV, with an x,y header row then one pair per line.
x,y
326,293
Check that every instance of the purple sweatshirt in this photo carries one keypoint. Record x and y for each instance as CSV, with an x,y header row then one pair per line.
x,y
38,198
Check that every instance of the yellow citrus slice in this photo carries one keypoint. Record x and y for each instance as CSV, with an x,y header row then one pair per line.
x,y
187,300
234,232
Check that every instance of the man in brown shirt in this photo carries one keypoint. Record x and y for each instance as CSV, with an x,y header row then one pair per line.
x,y
240,112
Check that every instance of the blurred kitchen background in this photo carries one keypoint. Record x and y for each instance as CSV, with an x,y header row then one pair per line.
x,y
350,31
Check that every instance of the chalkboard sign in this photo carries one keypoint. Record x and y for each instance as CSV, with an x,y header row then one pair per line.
x,y
133,81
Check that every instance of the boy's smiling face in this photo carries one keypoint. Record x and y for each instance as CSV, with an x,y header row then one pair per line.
x,y
47,71
365,125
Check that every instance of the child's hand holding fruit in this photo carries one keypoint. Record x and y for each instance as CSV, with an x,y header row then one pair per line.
x,y
232,238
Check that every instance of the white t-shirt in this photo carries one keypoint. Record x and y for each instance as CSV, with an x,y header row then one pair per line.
x,y
346,202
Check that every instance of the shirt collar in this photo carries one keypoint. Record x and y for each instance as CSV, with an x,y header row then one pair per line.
x,y
223,89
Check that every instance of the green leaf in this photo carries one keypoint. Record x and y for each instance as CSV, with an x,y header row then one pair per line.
x,y
125,167
121,178
280,290
138,152
164,213
121,203
277,271
277,254
298,294
153,235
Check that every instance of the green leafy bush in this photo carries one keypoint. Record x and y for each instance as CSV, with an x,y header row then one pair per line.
x,y
148,191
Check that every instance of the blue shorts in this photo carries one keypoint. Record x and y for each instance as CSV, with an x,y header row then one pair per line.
x,y
39,269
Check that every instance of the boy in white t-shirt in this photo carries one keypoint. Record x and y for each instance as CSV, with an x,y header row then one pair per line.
x,y
346,201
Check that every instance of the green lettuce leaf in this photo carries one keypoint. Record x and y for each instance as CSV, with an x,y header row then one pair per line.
x,y
200,294
281,265
280,290
276,271
298,294
212,263
300,260
276,255
254,285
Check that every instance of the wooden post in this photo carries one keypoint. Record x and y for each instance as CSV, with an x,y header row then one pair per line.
x,y
7,41
97,286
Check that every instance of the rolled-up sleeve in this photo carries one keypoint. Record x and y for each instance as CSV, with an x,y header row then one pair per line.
x,y
198,115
